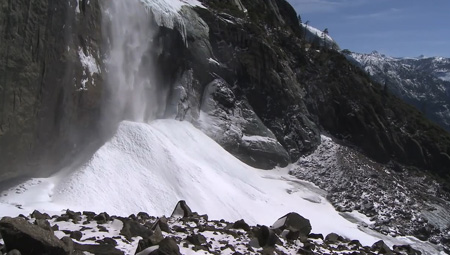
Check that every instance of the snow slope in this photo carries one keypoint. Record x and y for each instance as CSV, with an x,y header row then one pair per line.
x,y
149,167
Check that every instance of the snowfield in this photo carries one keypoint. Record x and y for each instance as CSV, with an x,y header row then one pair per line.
x,y
150,167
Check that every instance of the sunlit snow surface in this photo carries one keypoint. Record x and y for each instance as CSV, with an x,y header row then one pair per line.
x,y
150,167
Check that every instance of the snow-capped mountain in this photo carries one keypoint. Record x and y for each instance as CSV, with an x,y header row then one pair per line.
x,y
423,82
318,37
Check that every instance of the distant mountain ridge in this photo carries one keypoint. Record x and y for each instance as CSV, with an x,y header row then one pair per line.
x,y
423,82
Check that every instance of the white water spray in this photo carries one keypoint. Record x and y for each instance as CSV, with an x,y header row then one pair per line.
x,y
133,93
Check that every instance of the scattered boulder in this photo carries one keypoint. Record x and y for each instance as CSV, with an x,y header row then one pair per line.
x,y
102,218
333,238
162,223
295,224
241,224
77,235
133,228
266,236
39,216
30,239
182,210
153,240
75,216
168,246
381,248
196,239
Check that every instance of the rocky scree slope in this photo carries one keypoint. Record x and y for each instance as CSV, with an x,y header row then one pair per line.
x,y
236,69
422,82
185,232
398,201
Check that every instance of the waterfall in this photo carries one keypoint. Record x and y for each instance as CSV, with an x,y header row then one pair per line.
x,y
132,92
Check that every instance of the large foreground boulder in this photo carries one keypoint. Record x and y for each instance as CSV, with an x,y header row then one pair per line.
x,y
294,224
30,239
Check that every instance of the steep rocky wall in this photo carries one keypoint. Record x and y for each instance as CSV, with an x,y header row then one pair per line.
x,y
49,63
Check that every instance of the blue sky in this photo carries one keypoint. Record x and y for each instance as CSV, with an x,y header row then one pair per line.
x,y
400,28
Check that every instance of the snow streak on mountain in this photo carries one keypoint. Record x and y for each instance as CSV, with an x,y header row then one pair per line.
x,y
422,82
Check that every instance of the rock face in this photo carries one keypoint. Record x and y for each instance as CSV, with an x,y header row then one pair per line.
x,y
50,83
238,70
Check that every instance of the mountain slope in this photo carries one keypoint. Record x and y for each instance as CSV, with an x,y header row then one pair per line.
x,y
422,82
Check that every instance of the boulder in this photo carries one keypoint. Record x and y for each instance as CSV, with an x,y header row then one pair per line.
x,y
196,239
241,224
133,228
295,224
39,216
30,239
162,223
168,246
182,210
381,248
333,238
153,240
265,236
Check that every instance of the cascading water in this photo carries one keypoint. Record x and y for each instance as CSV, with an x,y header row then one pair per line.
x,y
132,91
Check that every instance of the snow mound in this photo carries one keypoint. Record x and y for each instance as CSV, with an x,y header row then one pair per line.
x,y
150,167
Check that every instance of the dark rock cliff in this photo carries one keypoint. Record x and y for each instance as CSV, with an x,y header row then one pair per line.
x,y
237,69
46,115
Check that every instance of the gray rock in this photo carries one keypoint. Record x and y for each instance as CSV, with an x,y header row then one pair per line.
x,y
182,210
30,239
168,246
296,224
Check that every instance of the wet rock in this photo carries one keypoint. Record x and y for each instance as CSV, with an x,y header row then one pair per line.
x,y
30,239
